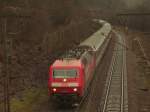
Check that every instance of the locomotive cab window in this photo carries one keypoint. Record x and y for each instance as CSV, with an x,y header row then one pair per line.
x,y
65,73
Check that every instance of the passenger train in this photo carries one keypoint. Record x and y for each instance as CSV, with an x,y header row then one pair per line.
x,y
71,74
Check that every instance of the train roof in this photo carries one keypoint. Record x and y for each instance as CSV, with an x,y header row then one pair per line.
x,y
67,63
97,39
71,57
94,42
75,53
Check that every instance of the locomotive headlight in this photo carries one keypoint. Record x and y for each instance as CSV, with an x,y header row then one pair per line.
x,y
65,80
54,89
75,89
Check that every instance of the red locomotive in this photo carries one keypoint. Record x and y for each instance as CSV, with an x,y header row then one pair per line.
x,y
72,73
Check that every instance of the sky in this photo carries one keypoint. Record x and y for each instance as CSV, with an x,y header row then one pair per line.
x,y
134,3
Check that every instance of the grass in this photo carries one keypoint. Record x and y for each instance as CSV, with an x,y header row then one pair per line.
x,y
31,98
1,107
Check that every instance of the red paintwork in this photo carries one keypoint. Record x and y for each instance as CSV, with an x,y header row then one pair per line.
x,y
60,90
69,64
69,80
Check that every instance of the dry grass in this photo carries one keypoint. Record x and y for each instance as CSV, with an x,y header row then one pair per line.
x,y
31,98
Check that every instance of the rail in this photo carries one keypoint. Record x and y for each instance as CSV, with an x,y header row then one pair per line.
x,y
115,93
142,50
103,50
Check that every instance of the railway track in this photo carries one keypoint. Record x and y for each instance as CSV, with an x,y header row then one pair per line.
x,y
142,50
143,63
115,98
103,50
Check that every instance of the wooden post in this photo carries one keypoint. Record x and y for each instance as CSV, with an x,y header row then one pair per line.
x,y
7,46
6,67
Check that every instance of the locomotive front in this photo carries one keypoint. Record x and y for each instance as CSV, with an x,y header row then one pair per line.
x,y
65,78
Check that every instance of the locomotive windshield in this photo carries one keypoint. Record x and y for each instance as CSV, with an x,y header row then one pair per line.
x,y
64,73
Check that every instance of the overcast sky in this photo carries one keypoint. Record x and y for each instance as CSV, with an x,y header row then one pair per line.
x,y
134,3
